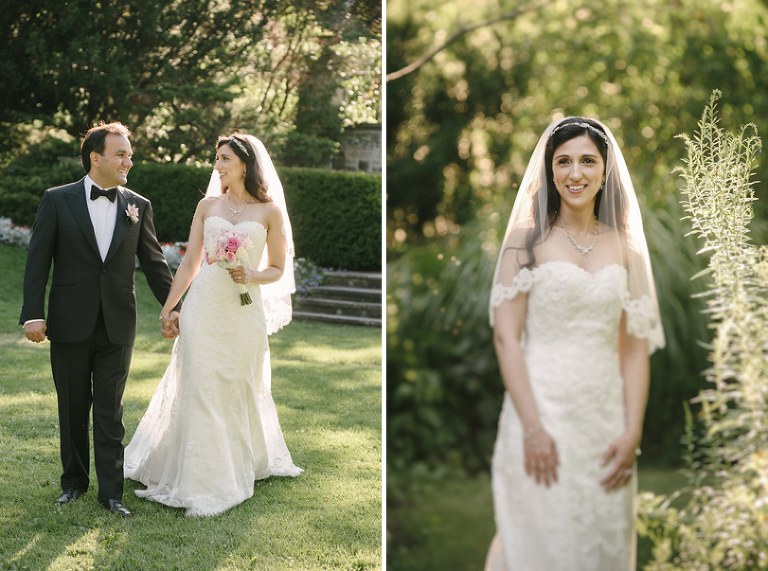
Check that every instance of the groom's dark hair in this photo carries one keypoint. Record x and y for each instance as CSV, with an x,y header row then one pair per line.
x,y
95,140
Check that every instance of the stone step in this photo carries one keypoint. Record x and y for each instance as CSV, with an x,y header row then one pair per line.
x,y
336,319
345,293
337,307
365,280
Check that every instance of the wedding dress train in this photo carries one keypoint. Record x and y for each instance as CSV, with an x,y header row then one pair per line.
x,y
211,428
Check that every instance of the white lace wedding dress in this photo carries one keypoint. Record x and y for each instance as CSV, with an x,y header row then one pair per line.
x,y
211,428
571,355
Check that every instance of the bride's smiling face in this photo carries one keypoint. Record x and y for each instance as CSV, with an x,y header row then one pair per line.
x,y
229,166
578,170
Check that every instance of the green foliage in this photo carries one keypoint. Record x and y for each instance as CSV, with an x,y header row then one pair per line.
x,y
72,64
460,133
174,191
23,182
300,150
282,64
336,217
725,523
180,74
307,275
460,129
443,386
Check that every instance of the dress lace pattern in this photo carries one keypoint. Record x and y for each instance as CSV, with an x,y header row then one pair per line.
x,y
571,356
211,428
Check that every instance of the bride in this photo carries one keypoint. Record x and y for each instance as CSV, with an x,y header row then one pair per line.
x,y
575,317
211,428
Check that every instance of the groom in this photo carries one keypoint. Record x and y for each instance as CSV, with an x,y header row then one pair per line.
x,y
92,230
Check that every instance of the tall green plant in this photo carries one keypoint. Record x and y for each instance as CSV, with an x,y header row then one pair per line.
x,y
725,523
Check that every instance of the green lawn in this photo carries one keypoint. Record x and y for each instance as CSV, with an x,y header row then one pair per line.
x,y
451,524
327,388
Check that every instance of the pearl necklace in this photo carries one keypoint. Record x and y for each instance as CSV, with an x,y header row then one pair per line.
x,y
582,250
232,210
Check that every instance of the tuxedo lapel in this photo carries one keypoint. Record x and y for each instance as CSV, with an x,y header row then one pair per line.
x,y
76,199
121,224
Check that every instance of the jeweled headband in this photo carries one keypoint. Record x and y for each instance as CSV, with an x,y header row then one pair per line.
x,y
242,146
585,126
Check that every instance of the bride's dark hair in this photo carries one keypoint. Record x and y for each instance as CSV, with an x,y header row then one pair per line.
x,y
564,132
254,178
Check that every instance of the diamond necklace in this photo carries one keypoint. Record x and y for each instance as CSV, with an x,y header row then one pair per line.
x,y
232,210
582,250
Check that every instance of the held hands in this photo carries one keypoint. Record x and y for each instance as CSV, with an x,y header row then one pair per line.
x,y
170,325
241,275
35,331
541,458
624,451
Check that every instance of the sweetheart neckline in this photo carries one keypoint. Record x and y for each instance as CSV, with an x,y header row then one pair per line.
x,y
235,224
571,264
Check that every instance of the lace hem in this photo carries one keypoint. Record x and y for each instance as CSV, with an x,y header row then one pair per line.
x,y
644,323
278,313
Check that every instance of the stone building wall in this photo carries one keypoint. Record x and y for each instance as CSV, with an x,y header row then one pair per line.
x,y
360,149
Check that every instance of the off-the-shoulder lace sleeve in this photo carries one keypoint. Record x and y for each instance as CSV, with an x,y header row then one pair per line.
x,y
643,321
522,283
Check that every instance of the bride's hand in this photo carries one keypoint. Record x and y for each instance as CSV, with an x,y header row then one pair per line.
x,y
170,325
541,459
241,275
623,450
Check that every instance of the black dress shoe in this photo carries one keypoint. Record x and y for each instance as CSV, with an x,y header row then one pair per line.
x,y
116,507
69,495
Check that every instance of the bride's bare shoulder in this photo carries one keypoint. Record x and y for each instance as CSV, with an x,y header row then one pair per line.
x,y
206,205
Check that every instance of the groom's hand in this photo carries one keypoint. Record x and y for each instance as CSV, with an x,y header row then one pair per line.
x,y
175,315
35,331
170,328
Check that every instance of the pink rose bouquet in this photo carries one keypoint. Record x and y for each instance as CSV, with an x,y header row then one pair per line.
x,y
230,249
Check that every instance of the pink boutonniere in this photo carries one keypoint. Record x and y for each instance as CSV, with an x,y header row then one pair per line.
x,y
133,214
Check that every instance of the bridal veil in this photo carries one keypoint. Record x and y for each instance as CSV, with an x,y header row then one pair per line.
x,y
535,212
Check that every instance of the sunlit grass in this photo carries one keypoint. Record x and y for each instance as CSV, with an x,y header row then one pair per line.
x,y
327,388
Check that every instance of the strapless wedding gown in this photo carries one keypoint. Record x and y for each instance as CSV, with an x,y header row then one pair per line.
x,y
571,355
211,428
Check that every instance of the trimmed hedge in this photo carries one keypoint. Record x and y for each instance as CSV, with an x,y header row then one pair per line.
x,y
174,191
336,216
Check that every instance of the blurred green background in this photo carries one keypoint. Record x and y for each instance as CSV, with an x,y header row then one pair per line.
x,y
460,131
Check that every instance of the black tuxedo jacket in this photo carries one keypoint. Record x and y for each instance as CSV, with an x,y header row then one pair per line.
x,y
82,283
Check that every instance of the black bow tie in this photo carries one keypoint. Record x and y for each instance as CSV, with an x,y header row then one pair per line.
x,y
109,194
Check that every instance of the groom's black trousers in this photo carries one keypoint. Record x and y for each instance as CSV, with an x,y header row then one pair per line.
x,y
92,372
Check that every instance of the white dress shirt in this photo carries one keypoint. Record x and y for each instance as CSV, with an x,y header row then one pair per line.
x,y
103,214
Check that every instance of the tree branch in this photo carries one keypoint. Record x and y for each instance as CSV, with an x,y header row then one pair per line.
x,y
456,35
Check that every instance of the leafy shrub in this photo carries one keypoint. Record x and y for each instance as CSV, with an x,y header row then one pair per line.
x,y
336,216
300,150
13,235
724,525
174,191
307,274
